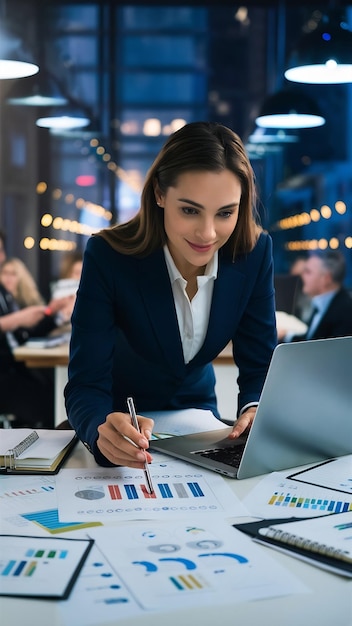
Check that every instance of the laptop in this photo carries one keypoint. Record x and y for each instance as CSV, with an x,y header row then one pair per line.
x,y
304,415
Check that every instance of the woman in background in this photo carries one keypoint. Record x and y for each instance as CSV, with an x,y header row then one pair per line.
x,y
71,265
18,280
28,393
161,296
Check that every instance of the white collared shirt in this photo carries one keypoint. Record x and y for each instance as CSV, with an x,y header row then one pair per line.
x,y
192,315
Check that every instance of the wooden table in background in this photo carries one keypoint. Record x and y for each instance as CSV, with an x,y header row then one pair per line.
x,y
56,358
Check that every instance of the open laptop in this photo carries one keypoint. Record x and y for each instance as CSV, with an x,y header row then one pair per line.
x,y
304,415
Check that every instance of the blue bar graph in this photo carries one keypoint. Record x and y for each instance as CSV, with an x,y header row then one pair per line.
x,y
131,492
165,490
195,489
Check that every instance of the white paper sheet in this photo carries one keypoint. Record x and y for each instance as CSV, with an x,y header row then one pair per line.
x,y
201,561
39,566
278,496
120,493
28,505
188,421
333,474
99,596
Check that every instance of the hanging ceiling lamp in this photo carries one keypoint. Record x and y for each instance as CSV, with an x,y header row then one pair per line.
x,y
73,116
13,64
39,90
272,136
289,109
324,55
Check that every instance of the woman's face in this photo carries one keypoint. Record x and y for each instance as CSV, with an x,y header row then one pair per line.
x,y
9,278
200,214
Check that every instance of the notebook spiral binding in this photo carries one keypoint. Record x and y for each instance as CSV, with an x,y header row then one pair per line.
x,y
11,455
307,544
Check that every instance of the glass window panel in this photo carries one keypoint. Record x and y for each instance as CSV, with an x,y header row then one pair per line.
x,y
80,50
73,18
178,87
158,51
157,18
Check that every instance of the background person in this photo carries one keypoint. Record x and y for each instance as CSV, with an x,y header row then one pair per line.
x,y
71,265
161,295
28,393
303,303
323,281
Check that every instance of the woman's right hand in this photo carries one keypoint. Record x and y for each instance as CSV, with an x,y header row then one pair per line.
x,y
121,443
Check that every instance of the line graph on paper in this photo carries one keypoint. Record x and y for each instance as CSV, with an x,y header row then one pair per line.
x,y
120,493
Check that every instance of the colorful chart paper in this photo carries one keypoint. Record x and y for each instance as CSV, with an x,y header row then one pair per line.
x,y
120,493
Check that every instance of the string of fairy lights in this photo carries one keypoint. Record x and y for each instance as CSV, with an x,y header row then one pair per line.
x,y
133,180
78,226
315,215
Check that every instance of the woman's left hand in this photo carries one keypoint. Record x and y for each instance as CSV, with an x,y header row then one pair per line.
x,y
243,423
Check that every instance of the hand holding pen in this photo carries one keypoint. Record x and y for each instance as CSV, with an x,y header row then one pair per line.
x,y
132,412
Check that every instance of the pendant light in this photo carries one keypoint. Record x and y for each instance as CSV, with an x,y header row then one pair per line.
x,y
324,55
288,110
65,118
13,62
39,90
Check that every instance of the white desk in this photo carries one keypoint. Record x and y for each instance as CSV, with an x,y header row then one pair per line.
x,y
328,603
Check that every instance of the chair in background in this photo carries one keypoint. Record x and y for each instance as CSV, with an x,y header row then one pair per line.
x,y
287,289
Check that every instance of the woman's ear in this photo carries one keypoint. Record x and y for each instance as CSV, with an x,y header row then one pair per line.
x,y
158,194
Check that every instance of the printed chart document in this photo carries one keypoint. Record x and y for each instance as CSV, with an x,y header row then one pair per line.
x,y
28,506
120,493
323,541
27,451
195,561
333,474
278,495
40,567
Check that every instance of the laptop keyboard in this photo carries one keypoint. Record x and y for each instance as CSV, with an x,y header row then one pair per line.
x,y
228,456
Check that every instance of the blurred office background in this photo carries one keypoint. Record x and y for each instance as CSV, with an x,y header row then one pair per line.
x,y
134,73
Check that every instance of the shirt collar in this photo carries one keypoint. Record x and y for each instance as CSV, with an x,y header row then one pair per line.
x,y
322,301
211,270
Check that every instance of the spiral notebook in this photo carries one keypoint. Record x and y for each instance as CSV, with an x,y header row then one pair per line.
x,y
28,451
322,541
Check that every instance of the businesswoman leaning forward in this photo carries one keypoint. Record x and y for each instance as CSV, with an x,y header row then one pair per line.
x,y
161,295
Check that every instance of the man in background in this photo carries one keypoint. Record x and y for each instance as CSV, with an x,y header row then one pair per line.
x,y
323,281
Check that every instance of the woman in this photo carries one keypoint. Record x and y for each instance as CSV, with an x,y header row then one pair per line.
x,y
26,392
163,294
16,278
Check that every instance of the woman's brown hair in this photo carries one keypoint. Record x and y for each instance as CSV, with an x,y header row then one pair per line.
x,y
198,146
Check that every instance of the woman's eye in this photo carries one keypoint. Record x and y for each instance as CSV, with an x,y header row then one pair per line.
x,y
225,214
189,210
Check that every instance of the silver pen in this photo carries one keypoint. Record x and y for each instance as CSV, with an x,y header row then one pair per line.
x,y
132,412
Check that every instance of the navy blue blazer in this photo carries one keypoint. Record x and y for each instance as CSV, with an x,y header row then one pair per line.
x,y
337,319
126,340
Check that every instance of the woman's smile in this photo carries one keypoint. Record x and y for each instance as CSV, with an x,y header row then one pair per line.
x,y
197,247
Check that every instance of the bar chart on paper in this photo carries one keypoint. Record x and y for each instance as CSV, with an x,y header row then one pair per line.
x,y
122,493
39,566
322,505
280,496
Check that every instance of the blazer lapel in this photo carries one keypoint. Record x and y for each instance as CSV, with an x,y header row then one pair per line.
x,y
156,292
